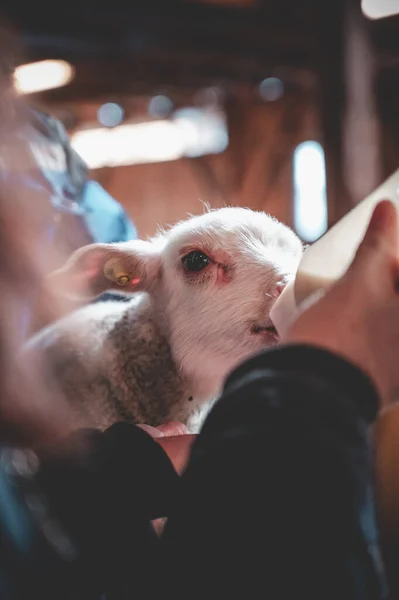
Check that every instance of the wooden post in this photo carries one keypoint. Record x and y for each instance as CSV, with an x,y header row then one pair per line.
x,y
349,122
362,156
332,103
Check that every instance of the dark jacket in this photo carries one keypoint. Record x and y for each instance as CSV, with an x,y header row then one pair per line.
x,y
276,502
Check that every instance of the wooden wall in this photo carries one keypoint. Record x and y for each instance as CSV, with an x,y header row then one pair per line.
x,y
255,171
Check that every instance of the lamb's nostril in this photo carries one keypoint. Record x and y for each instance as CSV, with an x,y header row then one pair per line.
x,y
279,287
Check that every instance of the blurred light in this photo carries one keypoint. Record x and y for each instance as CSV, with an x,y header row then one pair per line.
x,y
271,89
43,75
203,131
110,114
187,134
210,97
160,106
128,144
379,9
310,197
58,539
20,462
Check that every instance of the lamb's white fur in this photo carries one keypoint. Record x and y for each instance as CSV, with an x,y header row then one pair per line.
x,y
164,354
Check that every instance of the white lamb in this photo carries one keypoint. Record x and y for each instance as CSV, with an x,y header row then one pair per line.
x,y
206,288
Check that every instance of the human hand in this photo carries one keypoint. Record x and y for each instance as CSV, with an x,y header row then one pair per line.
x,y
32,414
358,318
174,438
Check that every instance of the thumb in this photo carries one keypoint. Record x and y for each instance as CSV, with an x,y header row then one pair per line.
x,y
169,429
173,428
380,242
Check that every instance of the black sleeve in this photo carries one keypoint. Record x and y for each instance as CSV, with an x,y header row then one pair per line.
x,y
277,500
86,516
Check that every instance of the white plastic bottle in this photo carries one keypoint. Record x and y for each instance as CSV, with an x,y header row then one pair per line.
x,y
330,256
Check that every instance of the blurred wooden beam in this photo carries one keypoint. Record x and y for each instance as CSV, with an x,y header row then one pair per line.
x,y
132,49
387,92
232,2
159,74
275,33
332,104
350,122
362,151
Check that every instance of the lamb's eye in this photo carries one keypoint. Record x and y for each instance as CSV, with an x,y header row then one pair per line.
x,y
195,261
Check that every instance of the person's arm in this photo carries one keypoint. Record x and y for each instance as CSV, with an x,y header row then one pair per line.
x,y
86,515
277,500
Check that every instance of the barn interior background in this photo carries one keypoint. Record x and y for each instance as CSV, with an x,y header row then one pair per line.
x,y
281,105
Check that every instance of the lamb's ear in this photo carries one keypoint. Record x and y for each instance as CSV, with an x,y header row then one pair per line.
x,y
92,270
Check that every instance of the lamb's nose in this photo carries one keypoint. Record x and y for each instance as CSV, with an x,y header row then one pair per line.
x,y
280,285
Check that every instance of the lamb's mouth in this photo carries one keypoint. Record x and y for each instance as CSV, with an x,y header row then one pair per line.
x,y
265,329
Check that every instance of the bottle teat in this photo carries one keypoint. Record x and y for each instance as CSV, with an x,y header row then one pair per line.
x,y
284,310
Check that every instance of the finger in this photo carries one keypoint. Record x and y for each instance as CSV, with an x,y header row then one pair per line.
x,y
173,428
152,431
380,241
178,449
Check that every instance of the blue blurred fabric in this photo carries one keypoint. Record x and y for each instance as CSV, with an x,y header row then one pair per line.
x,y
75,210
104,217
59,170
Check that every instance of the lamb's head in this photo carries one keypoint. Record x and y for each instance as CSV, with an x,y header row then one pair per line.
x,y
212,278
